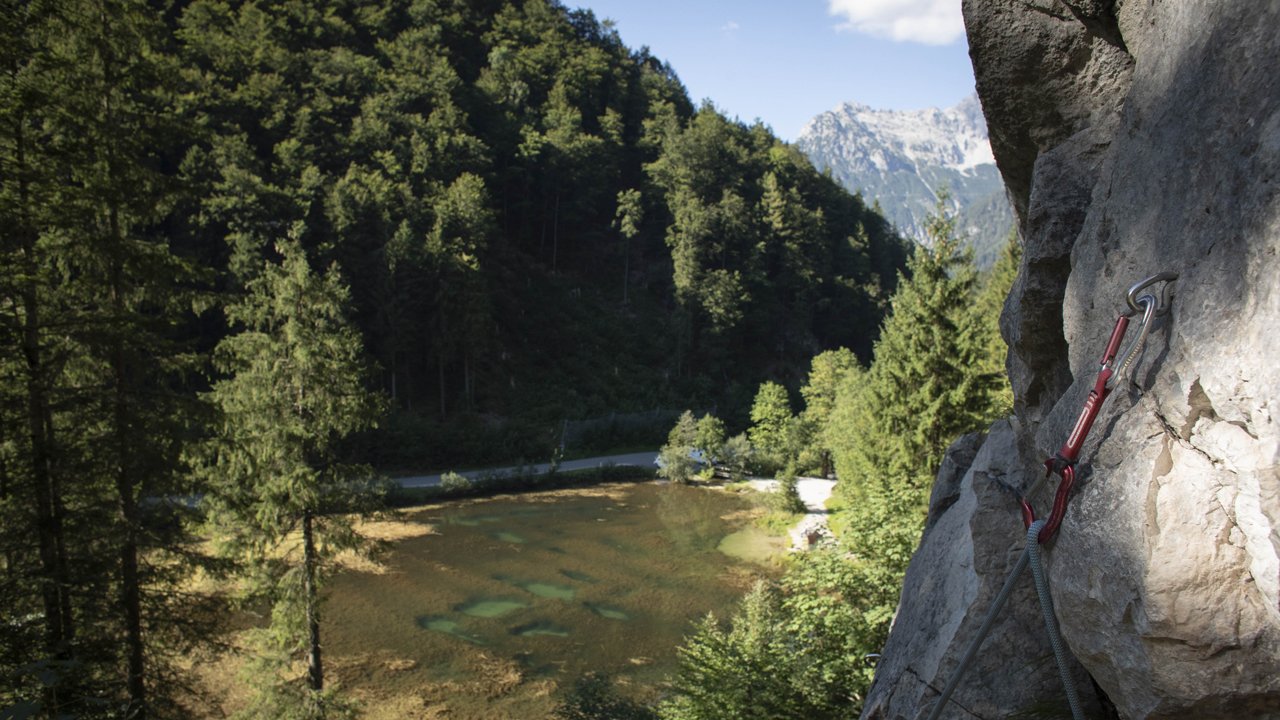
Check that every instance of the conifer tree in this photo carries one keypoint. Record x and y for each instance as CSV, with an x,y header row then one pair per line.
x,y
891,425
740,671
927,383
280,496
771,429
996,285
826,373
627,220
97,297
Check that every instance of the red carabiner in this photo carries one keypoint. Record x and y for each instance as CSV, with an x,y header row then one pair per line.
x,y
1064,462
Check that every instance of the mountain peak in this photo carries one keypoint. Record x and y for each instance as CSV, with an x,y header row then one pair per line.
x,y
905,158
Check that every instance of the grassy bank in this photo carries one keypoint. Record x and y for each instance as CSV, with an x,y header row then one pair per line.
x,y
456,486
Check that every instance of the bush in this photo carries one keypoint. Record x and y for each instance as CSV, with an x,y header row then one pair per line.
x,y
593,698
675,460
788,493
736,456
794,651
453,483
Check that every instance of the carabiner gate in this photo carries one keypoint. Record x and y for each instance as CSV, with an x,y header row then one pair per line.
x,y
1162,301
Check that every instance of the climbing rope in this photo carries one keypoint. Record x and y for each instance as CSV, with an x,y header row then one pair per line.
x,y
1063,464
1050,619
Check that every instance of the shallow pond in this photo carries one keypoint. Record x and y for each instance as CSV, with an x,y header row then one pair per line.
x,y
512,599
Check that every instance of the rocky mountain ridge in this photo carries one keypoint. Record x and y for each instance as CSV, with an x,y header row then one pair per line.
x,y
903,159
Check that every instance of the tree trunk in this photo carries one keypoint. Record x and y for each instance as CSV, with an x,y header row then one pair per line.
x,y
466,382
126,491
443,415
626,270
54,579
555,235
315,670
131,604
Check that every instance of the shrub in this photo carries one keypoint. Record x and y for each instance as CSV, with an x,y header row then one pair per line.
x,y
452,482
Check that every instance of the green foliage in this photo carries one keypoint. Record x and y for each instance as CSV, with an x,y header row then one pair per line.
x,y
826,372
751,669
788,492
734,673
593,698
887,427
278,492
485,177
771,429
737,456
452,482
473,179
927,384
95,406
996,285
675,459
710,438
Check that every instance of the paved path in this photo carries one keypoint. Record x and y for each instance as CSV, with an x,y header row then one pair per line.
x,y
640,459
813,493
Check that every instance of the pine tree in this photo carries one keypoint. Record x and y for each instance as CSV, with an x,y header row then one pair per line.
x,y
740,672
996,285
280,494
98,299
827,371
771,428
891,425
927,383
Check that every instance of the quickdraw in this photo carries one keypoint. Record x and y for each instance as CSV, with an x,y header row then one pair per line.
x,y
1063,463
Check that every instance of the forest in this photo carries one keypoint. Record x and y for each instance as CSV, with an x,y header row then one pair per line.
x,y
251,251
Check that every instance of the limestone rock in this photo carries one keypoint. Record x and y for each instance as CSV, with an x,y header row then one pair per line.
x,y
1044,77
1134,137
972,541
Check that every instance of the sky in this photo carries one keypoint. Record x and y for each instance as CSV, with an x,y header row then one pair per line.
x,y
785,61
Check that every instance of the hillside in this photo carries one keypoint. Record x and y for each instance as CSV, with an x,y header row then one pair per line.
x,y
901,160
534,221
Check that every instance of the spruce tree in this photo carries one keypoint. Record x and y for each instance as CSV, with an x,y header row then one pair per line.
x,y
96,301
996,285
891,425
280,496
927,383
737,672
771,428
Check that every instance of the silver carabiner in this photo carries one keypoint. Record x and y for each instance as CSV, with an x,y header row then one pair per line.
x,y
1161,300
1151,305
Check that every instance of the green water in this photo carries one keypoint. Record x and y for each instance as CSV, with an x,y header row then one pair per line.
x,y
490,608
545,586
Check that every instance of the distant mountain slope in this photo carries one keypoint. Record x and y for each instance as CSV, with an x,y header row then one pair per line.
x,y
901,159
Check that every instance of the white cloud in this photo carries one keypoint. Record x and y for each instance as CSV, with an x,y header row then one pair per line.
x,y
932,22
730,26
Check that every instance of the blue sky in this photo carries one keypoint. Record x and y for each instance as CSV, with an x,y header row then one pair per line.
x,y
784,61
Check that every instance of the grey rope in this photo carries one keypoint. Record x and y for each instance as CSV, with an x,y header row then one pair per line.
x,y
1050,620
1030,554
983,630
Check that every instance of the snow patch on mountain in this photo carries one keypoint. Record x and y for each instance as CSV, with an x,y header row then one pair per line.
x,y
903,159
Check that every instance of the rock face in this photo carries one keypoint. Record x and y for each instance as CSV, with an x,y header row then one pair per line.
x,y
1134,136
